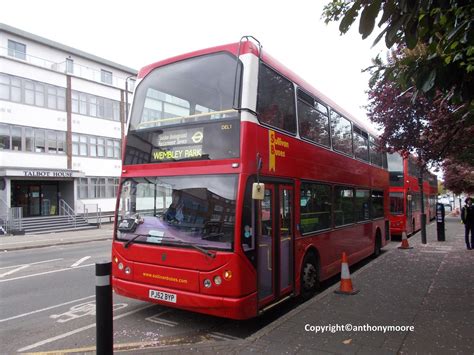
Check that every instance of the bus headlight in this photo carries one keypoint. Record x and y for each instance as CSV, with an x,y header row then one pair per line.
x,y
217,280
120,266
128,271
207,283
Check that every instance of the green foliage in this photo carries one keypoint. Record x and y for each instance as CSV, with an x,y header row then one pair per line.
x,y
443,29
423,93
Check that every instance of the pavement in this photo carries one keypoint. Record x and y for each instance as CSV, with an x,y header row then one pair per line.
x,y
29,241
418,300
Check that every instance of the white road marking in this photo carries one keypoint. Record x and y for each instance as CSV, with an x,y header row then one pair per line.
x,y
14,270
65,335
45,309
45,273
222,336
156,319
39,262
80,261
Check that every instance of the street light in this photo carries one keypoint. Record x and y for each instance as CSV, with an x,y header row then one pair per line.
x,y
420,182
126,95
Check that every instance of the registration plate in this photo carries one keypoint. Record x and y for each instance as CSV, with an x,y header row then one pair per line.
x,y
163,296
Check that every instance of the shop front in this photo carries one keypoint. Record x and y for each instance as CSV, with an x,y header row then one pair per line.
x,y
38,192
36,198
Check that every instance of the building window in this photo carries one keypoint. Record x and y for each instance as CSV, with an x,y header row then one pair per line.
x,y
69,66
39,141
106,76
82,188
83,146
4,136
29,139
95,106
4,87
52,142
16,138
97,187
16,49
92,146
31,92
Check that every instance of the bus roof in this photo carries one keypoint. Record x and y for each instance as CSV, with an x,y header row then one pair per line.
x,y
250,47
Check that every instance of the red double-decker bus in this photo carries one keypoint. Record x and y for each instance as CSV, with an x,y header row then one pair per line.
x,y
405,194
241,185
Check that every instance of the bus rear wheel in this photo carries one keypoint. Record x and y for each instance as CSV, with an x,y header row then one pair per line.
x,y
309,276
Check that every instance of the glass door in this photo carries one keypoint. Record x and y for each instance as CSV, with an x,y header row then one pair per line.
x,y
34,200
275,238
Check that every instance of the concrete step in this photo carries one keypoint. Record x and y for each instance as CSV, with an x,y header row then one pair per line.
x,y
51,224
62,230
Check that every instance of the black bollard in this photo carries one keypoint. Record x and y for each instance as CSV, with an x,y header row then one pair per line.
x,y
104,314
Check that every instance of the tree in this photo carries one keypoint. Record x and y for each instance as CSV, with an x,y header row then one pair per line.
x,y
419,124
442,30
458,177
431,68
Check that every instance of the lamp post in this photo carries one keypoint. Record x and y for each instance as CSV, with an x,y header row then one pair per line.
x,y
126,95
422,198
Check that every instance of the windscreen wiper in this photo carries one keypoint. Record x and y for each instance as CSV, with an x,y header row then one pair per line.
x,y
179,242
204,251
133,239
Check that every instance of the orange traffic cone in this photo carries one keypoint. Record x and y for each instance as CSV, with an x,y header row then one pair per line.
x,y
405,244
345,287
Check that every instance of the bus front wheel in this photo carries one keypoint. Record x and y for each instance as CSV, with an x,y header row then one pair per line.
x,y
309,276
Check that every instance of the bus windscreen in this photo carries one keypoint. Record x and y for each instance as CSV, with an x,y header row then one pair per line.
x,y
181,211
183,111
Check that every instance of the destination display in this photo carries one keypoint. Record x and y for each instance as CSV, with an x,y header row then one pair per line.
x,y
210,140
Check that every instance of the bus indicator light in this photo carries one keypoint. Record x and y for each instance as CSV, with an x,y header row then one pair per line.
x,y
227,275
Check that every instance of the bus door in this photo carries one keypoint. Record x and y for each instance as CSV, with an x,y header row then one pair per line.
x,y
275,216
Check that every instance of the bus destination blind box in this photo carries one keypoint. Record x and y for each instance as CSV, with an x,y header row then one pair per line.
x,y
258,191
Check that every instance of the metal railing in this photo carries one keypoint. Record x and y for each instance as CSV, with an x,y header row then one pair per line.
x,y
66,210
92,212
15,219
11,218
77,69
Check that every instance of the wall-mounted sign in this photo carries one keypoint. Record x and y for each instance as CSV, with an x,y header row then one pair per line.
x,y
42,173
46,173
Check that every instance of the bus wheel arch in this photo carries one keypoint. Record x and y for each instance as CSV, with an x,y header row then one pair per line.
x,y
377,243
310,273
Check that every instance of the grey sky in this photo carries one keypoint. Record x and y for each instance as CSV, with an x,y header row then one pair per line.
x,y
139,32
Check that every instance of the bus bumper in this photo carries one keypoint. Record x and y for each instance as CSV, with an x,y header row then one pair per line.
x,y
234,308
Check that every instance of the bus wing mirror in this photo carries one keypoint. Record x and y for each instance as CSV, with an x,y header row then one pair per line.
x,y
258,191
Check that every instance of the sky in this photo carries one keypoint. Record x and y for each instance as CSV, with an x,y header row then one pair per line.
x,y
139,32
